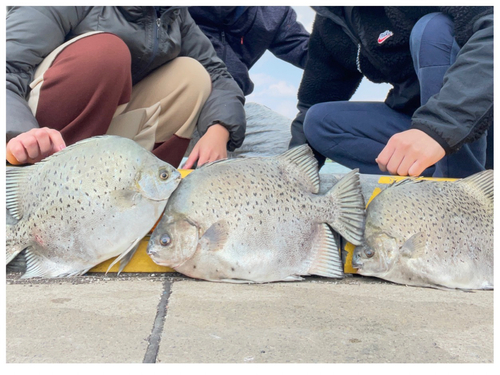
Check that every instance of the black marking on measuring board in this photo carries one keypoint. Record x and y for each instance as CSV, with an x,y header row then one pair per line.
x,y
155,336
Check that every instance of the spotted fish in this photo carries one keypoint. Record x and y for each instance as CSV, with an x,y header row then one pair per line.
x,y
431,233
256,220
85,204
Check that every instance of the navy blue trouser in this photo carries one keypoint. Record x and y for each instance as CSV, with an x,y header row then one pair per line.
x,y
354,133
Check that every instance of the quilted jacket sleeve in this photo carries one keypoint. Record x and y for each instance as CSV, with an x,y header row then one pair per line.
x,y
225,103
32,33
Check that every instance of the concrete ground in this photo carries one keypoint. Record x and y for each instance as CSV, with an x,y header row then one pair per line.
x,y
168,318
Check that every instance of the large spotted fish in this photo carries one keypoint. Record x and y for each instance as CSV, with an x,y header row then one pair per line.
x,y
85,204
431,233
258,220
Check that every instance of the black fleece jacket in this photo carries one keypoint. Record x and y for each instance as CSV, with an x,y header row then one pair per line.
x,y
344,47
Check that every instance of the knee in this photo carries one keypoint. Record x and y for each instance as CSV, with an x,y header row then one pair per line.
x,y
196,80
313,125
431,32
94,60
106,56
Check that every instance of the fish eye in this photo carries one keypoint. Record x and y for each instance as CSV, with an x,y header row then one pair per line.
x,y
165,240
164,174
369,252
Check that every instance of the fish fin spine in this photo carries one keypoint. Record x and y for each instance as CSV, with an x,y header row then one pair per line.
x,y
303,158
327,261
15,180
481,181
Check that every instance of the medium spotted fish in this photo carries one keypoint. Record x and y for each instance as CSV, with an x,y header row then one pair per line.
x,y
258,220
431,234
85,204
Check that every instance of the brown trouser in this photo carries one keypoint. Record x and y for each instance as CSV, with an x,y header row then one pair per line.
x,y
84,88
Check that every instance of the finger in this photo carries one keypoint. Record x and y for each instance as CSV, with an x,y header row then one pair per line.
x,y
16,154
193,156
417,168
57,140
204,158
44,142
384,157
30,144
405,165
395,161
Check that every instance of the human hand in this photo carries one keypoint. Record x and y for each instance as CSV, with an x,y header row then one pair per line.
x,y
34,145
409,153
210,147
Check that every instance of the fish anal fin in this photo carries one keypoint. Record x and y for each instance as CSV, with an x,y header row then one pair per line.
x,y
326,256
39,266
415,246
215,237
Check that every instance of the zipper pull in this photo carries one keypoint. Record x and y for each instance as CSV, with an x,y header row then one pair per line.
x,y
358,64
241,40
158,24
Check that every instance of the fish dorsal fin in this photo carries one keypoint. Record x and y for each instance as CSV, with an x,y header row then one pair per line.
x,y
327,261
303,159
481,182
415,245
15,180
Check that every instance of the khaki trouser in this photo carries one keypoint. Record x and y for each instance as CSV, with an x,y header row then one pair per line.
x,y
164,106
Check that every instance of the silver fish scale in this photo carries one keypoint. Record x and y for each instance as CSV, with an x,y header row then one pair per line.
x,y
76,205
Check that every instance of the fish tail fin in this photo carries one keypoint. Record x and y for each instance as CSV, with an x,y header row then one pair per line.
x,y
13,245
327,261
348,218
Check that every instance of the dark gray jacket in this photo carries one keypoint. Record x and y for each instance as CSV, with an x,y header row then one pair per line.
x,y
153,40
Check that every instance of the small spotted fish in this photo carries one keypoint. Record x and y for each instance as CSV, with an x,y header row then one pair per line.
x,y
431,234
92,201
256,220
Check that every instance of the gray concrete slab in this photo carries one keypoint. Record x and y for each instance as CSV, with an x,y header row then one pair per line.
x,y
353,320
173,319
89,320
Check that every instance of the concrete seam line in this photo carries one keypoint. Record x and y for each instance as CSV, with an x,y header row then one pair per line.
x,y
155,336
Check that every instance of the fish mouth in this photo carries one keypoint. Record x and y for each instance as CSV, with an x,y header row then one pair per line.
x,y
356,259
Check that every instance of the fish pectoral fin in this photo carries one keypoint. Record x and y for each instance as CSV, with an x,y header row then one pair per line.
x,y
327,261
215,237
415,246
125,257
